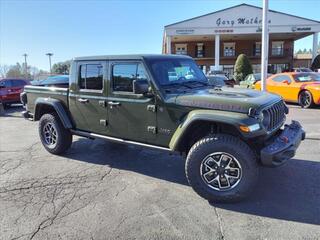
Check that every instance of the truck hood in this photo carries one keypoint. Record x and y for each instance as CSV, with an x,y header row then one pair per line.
x,y
227,99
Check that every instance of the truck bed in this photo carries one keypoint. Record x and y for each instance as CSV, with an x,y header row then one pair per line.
x,y
34,92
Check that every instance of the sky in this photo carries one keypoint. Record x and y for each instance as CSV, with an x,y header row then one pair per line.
x,y
70,28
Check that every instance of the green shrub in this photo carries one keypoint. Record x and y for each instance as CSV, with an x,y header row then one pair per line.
x,y
316,63
242,68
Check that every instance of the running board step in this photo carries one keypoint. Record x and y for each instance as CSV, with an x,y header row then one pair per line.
x,y
94,135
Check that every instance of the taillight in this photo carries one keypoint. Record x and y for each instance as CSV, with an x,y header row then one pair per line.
x,y
23,98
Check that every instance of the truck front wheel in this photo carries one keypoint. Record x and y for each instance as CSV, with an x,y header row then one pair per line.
x,y
221,168
54,137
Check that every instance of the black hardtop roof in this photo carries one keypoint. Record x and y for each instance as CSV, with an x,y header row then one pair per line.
x,y
130,57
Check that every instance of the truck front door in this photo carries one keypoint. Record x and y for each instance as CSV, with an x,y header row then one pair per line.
x,y
87,96
131,116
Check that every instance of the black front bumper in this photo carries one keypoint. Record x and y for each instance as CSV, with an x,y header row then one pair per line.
x,y
284,146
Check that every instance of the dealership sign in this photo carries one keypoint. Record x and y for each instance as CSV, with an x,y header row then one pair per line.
x,y
300,29
184,31
239,21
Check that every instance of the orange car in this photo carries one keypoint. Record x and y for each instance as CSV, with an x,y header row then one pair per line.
x,y
298,87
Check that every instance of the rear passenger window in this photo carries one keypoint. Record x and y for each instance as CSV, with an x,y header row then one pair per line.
x,y
123,76
82,77
91,76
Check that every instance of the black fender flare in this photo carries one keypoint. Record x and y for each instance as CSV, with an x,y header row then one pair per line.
x,y
59,108
234,119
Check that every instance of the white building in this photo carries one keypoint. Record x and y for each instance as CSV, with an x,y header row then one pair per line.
x,y
216,39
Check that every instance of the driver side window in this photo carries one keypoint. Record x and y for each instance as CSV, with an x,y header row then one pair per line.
x,y
123,75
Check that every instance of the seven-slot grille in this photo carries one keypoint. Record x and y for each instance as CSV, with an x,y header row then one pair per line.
x,y
276,114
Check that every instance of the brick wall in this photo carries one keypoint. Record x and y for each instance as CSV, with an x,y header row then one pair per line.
x,y
242,46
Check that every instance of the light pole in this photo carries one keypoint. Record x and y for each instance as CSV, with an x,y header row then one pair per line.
x,y
49,55
265,45
25,64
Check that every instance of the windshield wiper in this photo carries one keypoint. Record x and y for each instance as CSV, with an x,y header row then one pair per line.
x,y
176,85
200,82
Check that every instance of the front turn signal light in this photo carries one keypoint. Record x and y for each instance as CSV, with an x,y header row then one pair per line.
x,y
250,128
244,129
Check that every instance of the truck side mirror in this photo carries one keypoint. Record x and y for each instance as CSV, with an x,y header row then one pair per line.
x,y
140,87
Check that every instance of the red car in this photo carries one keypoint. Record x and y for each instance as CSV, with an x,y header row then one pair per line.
x,y
10,90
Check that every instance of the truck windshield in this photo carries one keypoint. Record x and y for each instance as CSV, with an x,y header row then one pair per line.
x,y
176,72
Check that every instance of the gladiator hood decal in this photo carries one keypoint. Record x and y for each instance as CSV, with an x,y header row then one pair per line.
x,y
227,99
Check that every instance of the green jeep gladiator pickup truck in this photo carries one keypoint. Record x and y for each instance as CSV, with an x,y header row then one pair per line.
x,y
166,102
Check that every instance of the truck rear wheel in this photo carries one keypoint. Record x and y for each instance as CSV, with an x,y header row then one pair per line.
x,y
54,137
221,168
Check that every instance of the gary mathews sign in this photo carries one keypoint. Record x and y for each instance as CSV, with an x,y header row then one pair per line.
x,y
239,21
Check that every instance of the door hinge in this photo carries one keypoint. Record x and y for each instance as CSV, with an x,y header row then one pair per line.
x,y
102,103
151,108
103,122
152,129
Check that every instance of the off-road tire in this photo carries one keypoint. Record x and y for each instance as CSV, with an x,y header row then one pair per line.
x,y
302,102
63,136
230,145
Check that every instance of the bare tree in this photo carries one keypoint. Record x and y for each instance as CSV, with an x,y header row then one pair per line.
x,y
3,70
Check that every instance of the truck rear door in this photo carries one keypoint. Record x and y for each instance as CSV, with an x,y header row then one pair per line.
x,y
88,96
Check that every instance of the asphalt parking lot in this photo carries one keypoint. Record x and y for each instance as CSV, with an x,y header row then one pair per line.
x,y
102,190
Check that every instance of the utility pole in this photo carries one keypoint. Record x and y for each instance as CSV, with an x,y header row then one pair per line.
x,y
49,55
265,45
25,65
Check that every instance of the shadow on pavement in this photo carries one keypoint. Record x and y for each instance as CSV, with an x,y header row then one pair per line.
x,y
154,163
13,111
290,192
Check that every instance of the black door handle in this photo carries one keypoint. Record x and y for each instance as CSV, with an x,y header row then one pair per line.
x,y
83,100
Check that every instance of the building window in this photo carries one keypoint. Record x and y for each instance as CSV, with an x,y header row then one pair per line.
x,y
277,68
277,49
91,76
256,68
181,49
229,49
199,50
257,49
228,70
